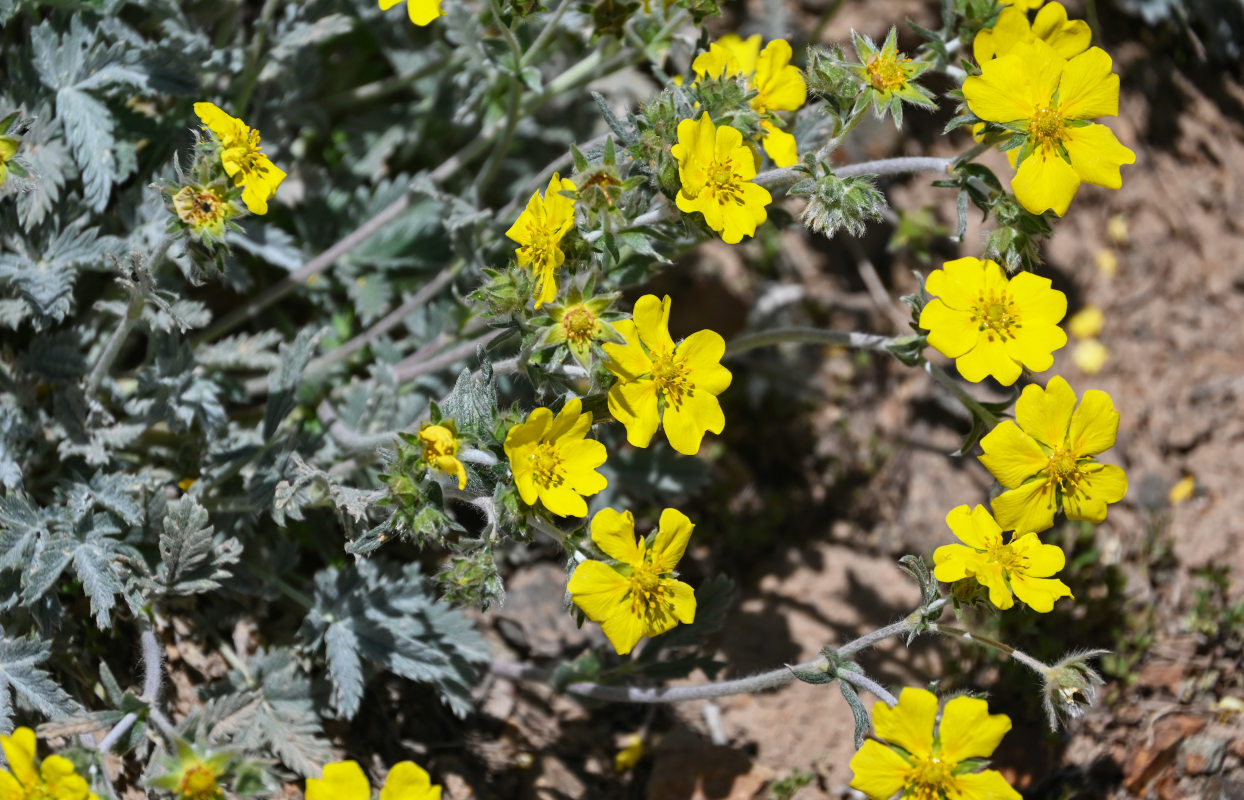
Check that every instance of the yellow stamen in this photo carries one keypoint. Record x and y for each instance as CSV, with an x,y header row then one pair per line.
x,y
547,463
1063,470
670,374
649,598
931,779
579,325
996,315
1046,127
886,72
724,183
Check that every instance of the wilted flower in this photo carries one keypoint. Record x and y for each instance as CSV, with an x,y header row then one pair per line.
x,y
1071,687
440,450
242,157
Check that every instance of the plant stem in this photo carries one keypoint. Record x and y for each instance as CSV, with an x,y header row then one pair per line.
x,y
133,313
755,683
886,166
152,678
546,33
863,341
945,380
250,72
868,684
1018,655
409,370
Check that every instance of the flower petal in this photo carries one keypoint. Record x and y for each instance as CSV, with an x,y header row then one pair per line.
x,y
686,423
1034,345
780,145
1038,594
1088,88
1100,485
968,730
910,723
634,404
614,534
570,422
628,361
652,320
954,562
673,532
988,357
951,332
19,749
1011,455
702,352
1044,182
958,283
343,780
990,576
1029,508
1037,300
624,629
409,781
682,600
1045,414
1043,560
987,785
1097,156
1094,425
598,590
1069,38
879,771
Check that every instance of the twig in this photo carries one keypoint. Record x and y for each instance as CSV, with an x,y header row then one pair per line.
x,y
945,380
885,166
152,679
409,370
869,685
133,313
1018,655
863,341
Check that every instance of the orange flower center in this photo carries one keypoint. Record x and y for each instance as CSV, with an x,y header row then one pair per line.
x,y
199,783
1046,127
649,598
724,183
1063,470
546,462
931,779
886,73
199,207
579,325
670,374
995,315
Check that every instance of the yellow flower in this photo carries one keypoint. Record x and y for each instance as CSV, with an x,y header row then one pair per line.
x,y
540,229
440,448
1086,323
8,149
421,12
716,171
629,756
1023,565
663,384
925,762
641,595
344,780
778,85
1047,102
205,209
1069,38
1046,460
991,325
888,76
54,779
1182,491
551,461
1090,356
242,157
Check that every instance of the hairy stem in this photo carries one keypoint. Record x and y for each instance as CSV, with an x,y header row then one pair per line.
x,y
133,313
945,380
250,72
152,678
886,166
863,341
1028,661
409,370
754,683
866,683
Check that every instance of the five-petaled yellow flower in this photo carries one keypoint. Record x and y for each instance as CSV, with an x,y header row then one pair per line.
x,y
421,12
440,450
716,171
344,780
1069,38
927,760
243,159
663,384
1048,101
640,596
539,230
991,325
778,85
54,779
551,461
1046,460
1023,565
8,149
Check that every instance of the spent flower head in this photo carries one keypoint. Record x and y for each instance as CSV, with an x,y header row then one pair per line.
x,y
992,325
1046,458
539,230
195,775
553,464
243,159
715,171
421,12
28,779
640,595
1047,102
1069,38
205,211
1022,565
927,759
1071,687
888,77
345,780
663,384
581,322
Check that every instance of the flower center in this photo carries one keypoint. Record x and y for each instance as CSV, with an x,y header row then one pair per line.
x,y
198,207
1046,127
437,442
579,324
1063,470
541,242
1008,559
199,783
931,779
670,376
648,595
995,315
886,73
724,182
546,461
